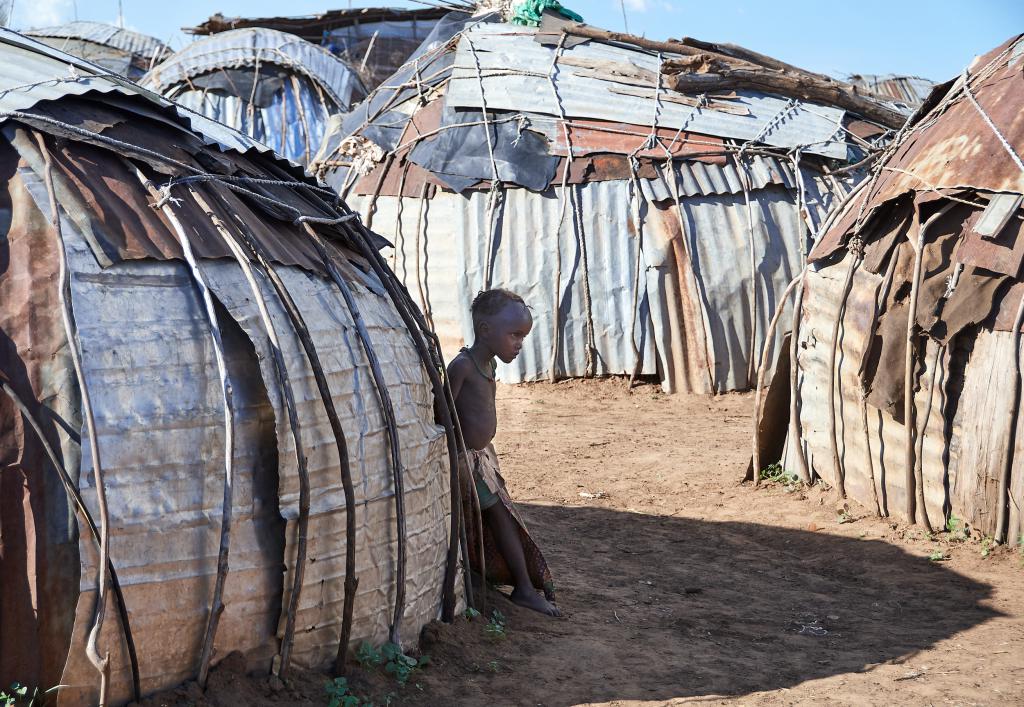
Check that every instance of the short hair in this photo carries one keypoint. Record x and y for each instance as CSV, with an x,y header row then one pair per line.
x,y
487,303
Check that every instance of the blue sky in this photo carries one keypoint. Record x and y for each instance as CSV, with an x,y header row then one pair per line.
x,y
931,39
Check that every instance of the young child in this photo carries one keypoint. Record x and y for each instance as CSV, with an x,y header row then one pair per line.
x,y
501,320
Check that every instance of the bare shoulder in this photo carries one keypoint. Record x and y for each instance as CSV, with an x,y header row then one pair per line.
x,y
459,367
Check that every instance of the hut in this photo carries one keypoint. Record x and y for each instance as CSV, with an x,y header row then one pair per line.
x,y
120,50
272,86
649,207
905,392
217,422
908,92
376,40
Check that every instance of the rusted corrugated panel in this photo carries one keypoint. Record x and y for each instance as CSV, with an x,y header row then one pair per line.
x,y
953,147
882,451
38,543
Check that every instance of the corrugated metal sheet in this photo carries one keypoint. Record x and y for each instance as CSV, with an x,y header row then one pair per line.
x,y
143,331
34,72
251,47
453,270
886,437
126,40
515,72
909,90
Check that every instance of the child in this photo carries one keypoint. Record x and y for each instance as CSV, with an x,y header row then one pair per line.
x,y
501,320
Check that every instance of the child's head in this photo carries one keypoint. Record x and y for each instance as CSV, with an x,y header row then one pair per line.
x,y
501,320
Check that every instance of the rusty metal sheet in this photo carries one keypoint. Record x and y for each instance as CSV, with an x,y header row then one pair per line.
x,y
1001,252
38,541
590,136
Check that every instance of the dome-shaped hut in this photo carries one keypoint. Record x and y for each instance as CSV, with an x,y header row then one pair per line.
x,y
907,385
120,50
216,411
270,85
650,200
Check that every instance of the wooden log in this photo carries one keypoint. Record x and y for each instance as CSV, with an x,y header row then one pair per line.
x,y
792,85
915,479
1002,518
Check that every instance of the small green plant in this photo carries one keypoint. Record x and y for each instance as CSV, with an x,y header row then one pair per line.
x,y
773,472
399,664
471,613
339,696
494,666
497,627
986,546
938,556
957,529
18,694
368,656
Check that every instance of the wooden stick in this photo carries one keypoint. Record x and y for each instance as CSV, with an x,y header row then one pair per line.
x,y
288,397
908,374
794,381
729,75
759,387
919,461
745,181
101,663
388,413
420,333
1002,518
858,255
340,439
880,295
71,488
227,397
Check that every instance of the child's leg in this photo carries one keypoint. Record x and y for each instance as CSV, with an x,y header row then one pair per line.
x,y
506,535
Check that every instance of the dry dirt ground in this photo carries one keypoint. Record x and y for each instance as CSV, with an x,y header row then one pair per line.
x,y
679,585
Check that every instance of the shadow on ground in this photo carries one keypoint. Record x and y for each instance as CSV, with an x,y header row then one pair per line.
x,y
660,607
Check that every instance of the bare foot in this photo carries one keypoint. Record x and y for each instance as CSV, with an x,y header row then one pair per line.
x,y
532,600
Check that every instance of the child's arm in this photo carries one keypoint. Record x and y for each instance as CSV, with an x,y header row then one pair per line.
x,y
456,377
457,371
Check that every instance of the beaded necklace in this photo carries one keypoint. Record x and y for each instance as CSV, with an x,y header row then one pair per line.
x,y
494,365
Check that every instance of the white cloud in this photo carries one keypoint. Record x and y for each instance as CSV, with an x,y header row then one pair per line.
x,y
638,5
40,13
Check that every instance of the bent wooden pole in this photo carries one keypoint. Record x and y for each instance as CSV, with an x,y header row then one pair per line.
x,y
769,336
912,480
340,440
388,413
100,662
227,397
288,398
431,359
71,488
794,385
856,250
1002,518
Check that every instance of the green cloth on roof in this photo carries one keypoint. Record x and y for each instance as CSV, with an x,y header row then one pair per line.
x,y
529,12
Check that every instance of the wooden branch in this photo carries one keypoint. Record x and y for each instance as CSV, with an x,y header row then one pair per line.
x,y
390,424
803,86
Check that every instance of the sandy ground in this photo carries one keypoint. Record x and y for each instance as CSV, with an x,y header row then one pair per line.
x,y
679,585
